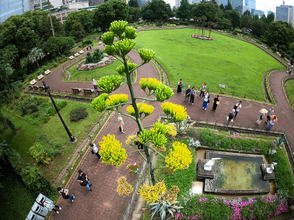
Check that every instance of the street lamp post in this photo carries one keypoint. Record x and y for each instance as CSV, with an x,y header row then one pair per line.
x,y
47,89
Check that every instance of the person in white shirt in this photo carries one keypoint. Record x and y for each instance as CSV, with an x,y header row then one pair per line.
x,y
237,108
95,150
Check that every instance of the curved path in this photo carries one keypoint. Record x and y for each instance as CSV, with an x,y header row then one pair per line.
x,y
104,202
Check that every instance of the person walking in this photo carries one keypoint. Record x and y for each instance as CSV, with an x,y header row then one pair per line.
x,y
216,102
187,93
192,96
202,90
95,150
90,47
83,179
271,123
51,207
95,85
65,194
87,48
205,101
259,119
230,117
271,111
237,108
180,85
120,123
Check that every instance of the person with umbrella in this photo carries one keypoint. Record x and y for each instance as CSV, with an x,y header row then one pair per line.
x,y
262,114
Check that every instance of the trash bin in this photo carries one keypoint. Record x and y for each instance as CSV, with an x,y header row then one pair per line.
x,y
39,209
41,198
34,216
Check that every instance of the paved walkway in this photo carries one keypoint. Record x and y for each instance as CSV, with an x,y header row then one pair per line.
x,y
104,202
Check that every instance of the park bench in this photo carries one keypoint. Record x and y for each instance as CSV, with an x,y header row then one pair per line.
x,y
40,77
75,90
47,72
88,91
33,82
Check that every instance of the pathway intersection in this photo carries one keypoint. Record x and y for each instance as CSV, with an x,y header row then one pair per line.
x,y
104,203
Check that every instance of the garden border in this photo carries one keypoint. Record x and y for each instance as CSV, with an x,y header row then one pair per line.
x,y
285,80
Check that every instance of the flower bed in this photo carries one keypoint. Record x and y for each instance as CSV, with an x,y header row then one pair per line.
x,y
210,207
202,37
84,67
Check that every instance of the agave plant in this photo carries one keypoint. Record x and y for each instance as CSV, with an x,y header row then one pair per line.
x,y
164,209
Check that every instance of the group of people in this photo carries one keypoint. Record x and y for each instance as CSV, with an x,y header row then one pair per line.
x,y
270,120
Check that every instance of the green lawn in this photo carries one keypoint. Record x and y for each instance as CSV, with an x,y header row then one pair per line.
x,y
16,199
55,131
86,76
290,92
237,64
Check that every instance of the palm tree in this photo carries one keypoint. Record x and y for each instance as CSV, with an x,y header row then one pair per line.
x,y
35,54
203,19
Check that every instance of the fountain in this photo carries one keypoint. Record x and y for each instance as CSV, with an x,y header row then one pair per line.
x,y
235,173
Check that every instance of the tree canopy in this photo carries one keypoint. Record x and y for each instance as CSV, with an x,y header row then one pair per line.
x,y
184,11
208,9
157,10
279,32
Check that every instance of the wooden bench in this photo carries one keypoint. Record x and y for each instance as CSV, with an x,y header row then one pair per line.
x,y
75,90
88,91
40,77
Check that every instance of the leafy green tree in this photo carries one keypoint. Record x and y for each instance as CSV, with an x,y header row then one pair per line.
x,y
280,33
263,19
225,23
183,12
270,18
208,9
109,11
134,4
228,7
247,12
255,17
35,55
84,17
59,45
246,21
156,10
234,17
259,28
77,30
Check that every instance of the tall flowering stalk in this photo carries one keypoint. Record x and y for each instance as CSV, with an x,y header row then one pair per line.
x,y
111,150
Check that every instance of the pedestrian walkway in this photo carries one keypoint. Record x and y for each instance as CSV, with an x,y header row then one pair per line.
x,y
104,202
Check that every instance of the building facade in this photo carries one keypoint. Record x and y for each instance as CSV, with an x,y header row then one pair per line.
x,y
270,12
14,7
251,4
224,2
178,3
285,13
257,12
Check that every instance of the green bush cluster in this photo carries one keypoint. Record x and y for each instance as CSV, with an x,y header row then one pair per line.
x,y
78,113
30,176
36,110
95,58
44,150
63,60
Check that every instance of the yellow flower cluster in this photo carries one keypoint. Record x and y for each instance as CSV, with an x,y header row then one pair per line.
x,y
123,186
111,151
178,112
172,130
159,127
179,156
152,194
132,138
116,99
146,109
150,83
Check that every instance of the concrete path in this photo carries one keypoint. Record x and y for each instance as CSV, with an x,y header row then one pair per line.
x,y
104,202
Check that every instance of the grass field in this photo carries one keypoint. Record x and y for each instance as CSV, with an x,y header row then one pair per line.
x,y
55,131
290,92
86,76
236,64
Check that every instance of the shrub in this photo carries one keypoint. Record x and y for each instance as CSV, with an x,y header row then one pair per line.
x,y
44,150
194,133
63,60
78,114
87,42
282,48
29,105
274,48
95,58
30,176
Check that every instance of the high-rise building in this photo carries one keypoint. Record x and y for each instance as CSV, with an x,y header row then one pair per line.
x,y
95,2
251,4
257,12
14,7
236,3
196,1
270,12
224,2
285,13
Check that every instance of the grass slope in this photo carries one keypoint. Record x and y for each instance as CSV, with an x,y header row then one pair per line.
x,y
55,131
290,92
237,64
